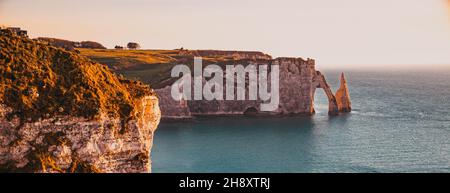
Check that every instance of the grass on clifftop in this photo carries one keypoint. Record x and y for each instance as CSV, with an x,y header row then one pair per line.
x,y
129,58
150,66
38,80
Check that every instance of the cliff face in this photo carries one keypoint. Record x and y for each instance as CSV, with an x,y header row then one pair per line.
x,y
77,144
298,83
61,112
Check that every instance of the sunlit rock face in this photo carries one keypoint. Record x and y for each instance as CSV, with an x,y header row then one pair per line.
x,y
343,96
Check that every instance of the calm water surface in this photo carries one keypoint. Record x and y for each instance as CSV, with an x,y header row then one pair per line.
x,y
400,123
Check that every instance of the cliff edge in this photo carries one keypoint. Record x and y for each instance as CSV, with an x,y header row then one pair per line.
x,y
61,112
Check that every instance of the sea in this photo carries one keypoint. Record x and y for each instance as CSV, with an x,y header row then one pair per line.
x,y
400,123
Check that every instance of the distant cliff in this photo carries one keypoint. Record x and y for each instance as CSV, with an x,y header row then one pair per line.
x,y
299,80
61,112
298,83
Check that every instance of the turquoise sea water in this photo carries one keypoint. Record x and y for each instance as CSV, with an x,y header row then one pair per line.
x,y
400,123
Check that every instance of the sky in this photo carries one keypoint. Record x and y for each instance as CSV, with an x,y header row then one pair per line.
x,y
338,34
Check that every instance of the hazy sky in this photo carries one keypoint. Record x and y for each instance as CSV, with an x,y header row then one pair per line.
x,y
344,33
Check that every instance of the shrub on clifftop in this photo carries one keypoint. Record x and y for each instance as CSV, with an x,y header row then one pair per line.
x,y
133,46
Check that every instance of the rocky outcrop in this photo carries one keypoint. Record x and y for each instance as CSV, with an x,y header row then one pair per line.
x,y
343,96
61,112
298,83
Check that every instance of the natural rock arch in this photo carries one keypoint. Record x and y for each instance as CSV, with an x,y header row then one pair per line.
x,y
338,104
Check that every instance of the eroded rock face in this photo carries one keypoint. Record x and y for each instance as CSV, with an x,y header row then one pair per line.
x,y
343,96
298,83
77,144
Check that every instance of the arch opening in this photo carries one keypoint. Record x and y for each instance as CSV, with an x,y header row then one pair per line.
x,y
251,111
320,101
